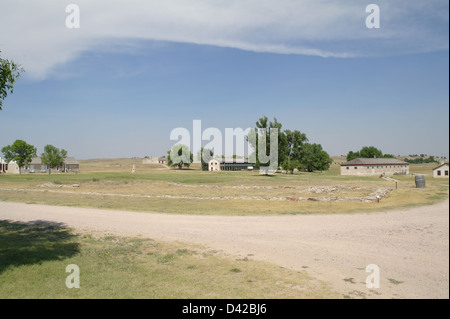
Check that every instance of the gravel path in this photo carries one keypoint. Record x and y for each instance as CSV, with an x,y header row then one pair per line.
x,y
410,247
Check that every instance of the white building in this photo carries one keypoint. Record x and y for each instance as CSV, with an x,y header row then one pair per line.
x,y
374,166
36,166
214,165
154,160
12,168
218,165
441,170
3,166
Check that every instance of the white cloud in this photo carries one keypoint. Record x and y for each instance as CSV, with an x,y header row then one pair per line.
x,y
34,32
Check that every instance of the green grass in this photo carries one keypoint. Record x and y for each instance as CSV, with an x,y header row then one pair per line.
x,y
34,256
114,190
395,282
350,280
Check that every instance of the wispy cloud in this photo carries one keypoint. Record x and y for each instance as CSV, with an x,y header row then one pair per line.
x,y
34,32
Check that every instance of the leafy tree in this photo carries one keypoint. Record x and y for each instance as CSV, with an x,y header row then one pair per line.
x,y
205,155
368,152
315,158
53,157
289,165
9,73
179,156
294,143
265,124
293,149
352,155
20,152
295,140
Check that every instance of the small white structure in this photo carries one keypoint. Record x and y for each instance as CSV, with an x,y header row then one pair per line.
x,y
12,168
214,165
154,160
36,166
441,170
71,165
3,166
150,160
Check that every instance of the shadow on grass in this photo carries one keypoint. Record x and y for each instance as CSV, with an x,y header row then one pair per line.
x,y
34,242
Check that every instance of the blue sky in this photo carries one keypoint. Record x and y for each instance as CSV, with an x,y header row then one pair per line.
x,y
120,92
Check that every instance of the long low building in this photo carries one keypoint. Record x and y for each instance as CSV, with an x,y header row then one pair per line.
x,y
374,166
36,166
218,165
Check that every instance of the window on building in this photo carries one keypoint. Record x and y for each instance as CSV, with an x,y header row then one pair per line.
x,y
348,167
356,167
438,173
446,173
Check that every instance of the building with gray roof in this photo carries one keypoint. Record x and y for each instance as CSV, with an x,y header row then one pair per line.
x,y
375,166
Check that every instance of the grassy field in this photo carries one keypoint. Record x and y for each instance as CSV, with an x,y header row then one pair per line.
x,y
34,258
109,184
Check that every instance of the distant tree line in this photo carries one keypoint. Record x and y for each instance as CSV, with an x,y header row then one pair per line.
x,y
368,152
425,155
422,160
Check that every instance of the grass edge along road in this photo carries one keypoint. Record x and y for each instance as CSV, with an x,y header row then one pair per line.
x,y
35,256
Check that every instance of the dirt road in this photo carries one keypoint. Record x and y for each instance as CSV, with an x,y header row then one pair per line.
x,y
410,247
